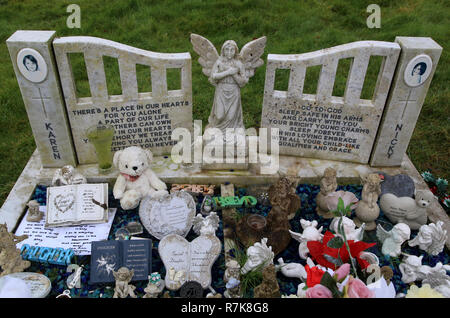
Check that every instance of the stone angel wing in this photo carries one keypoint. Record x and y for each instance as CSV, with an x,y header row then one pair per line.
x,y
197,223
382,234
213,220
251,55
208,53
438,238
297,236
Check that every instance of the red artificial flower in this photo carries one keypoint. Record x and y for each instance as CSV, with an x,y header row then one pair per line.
x,y
433,189
318,249
313,275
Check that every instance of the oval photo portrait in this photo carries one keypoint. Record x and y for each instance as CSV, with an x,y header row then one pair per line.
x,y
32,65
418,70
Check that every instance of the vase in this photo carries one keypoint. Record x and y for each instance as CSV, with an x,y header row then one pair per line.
x,y
101,137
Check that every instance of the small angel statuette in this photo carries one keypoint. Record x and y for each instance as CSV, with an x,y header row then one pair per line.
x,y
123,287
351,232
34,215
228,73
67,175
310,233
392,240
258,254
412,270
431,238
206,225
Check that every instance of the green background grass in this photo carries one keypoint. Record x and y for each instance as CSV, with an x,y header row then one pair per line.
x,y
290,26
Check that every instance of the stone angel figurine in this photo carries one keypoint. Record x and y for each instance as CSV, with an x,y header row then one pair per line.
x,y
431,238
123,287
228,72
258,254
392,240
206,225
310,233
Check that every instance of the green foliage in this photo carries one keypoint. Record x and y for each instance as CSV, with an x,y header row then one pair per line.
x,y
335,242
331,284
291,26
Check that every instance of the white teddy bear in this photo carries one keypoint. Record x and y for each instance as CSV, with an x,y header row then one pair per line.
x,y
136,180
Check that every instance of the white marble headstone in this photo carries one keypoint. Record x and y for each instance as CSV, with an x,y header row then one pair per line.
x,y
321,125
170,214
140,118
194,258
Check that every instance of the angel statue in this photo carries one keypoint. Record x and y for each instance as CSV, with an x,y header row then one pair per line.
x,y
206,225
228,72
392,240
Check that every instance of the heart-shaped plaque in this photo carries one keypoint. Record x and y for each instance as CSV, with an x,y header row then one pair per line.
x,y
188,261
63,202
170,214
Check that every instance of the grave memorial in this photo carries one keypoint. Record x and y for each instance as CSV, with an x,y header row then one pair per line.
x,y
345,139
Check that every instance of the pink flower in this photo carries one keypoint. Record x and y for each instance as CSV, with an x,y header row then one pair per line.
x,y
357,289
332,199
318,291
342,271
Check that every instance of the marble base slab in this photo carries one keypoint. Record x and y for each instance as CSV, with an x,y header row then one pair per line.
x,y
309,170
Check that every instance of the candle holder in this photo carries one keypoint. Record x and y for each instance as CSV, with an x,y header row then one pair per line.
x,y
251,229
101,137
256,222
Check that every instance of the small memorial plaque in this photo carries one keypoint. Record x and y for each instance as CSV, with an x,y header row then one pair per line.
x,y
39,284
193,260
109,256
170,214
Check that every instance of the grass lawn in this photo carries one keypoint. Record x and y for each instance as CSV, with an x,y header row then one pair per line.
x,y
292,26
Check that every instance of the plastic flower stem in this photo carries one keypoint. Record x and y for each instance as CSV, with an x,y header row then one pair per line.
x,y
341,229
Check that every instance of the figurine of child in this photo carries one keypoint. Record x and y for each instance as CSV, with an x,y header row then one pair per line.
x,y
67,175
155,286
34,215
328,184
123,287
233,269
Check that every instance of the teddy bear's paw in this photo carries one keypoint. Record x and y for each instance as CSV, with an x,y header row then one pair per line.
x,y
159,185
118,195
128,205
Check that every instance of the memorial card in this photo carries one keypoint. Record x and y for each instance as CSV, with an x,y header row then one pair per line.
x,y
109,256
77,204
186,261
78,238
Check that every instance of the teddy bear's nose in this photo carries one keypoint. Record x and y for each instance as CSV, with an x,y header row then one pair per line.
x,y
135,168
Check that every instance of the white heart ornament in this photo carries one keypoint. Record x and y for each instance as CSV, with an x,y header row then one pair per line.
x,y
170,214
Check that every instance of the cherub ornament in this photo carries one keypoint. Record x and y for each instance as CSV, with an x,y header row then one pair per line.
x,y
10,259
34,215
123,287
258,254
291,269
412,270
310,233
367,209
351,232
228,72
392,240
328,184
206,225
67,175
233,269
431,238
